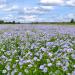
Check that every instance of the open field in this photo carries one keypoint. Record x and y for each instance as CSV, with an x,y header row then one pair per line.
x,y
37,50
65,29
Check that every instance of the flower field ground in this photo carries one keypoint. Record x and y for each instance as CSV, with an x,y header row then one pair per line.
x,y
37,50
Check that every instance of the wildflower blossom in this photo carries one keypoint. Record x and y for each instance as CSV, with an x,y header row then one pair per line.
x,y
41,67
4,71
45,69
49,64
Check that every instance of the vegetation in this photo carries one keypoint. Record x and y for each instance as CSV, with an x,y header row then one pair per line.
x,y
36,56
72,21
1,21
13,22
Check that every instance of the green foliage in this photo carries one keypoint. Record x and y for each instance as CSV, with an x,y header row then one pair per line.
x,y
1,21
72,21
13,22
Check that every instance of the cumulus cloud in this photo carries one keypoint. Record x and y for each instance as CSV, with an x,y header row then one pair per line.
x,y
70,2
8,8
66,17
58,2
9,17
32,10
28,18
71,15
52,2
2,4
12,8
47,7
27,10
20,18
38,9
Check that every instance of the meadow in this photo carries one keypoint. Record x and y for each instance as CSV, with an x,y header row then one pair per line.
x,y
37,50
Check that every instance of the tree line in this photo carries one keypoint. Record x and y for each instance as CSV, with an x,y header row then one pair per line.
x,y
14,22
72,21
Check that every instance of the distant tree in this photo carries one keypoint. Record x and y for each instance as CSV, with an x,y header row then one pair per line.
x,y
13,22
1,21
72,21
18,22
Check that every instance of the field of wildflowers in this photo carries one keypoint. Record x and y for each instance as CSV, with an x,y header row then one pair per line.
x,y
40,50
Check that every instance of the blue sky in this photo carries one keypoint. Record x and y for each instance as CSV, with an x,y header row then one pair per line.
x,y
37,10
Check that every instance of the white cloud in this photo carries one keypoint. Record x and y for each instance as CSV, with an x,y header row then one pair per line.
x,y
31,10
58,2
9,17
28,18
47,7
7,7
2,4
37,9
70,2
71,15
66,17
12,8
53,2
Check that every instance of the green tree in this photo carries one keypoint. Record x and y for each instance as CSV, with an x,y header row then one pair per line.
x,y
13,22
1,21
72,21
